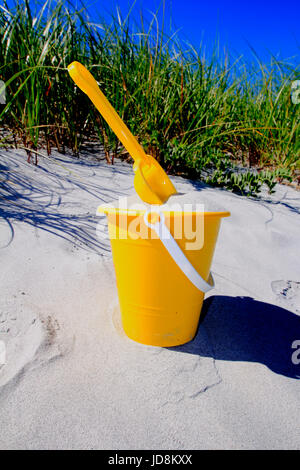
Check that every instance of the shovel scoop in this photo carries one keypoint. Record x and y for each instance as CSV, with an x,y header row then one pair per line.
x,y
151,182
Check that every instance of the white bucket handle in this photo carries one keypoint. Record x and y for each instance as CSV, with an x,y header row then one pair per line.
x,y
177,254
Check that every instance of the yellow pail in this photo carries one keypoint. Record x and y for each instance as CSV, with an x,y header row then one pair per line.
x,y
159,304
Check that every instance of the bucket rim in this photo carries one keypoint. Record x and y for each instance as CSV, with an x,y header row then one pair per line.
x,y
141,212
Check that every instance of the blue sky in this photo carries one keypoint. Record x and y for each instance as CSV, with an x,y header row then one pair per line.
x,y
269,26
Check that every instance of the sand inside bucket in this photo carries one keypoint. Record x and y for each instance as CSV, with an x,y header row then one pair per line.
x,y
191,201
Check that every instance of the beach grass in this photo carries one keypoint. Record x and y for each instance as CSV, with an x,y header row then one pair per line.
x,y
214,117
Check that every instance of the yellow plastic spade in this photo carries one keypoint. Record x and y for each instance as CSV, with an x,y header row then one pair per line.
x,y
151,182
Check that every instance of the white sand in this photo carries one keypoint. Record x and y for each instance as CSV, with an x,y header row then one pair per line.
x,y
72,379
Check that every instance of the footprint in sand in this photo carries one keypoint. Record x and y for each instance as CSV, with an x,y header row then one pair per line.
x,y
26,339
288,294
167,375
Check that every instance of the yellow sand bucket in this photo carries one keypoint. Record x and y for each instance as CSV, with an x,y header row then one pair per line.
x,y
161,284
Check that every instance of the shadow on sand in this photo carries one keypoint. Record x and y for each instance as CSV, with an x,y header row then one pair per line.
x,y
45,200
244,329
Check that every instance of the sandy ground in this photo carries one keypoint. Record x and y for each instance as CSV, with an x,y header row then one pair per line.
x,y
72,379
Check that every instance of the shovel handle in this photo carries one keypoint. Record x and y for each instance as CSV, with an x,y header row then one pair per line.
x,y
86,82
